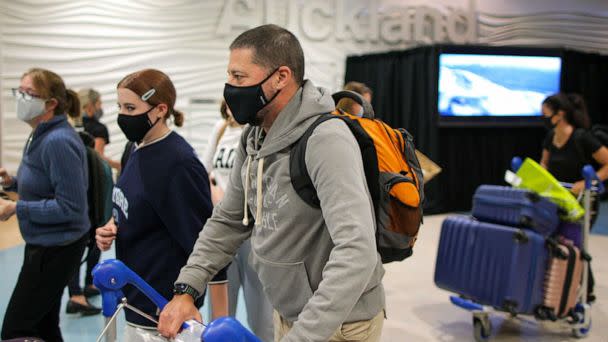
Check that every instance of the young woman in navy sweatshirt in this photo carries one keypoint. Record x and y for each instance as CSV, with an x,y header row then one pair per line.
x,y
52,208
162,198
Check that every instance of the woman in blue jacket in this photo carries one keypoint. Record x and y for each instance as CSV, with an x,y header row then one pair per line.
x,y
52,208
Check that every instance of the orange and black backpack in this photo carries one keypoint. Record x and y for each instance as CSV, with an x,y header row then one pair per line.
x,y
392,172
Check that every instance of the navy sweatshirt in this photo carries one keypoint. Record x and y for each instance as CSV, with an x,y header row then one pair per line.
x,y
161,202
52,184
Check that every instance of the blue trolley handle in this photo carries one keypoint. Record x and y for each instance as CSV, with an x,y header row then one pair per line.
x,y
110,276
589,175
516,163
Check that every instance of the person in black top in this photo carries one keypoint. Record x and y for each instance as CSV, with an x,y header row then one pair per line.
x,y
78,302
90,100
569,146
162,198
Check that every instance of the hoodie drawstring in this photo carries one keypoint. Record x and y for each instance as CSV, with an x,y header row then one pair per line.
x,y
260,198
259,195
246,210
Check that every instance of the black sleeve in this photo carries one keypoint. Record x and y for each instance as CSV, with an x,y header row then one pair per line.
x,y
87,139
99,130
221,276
590,144
548,140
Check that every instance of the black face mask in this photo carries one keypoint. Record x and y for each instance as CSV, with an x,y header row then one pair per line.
x,y
135,127
547,122
246,102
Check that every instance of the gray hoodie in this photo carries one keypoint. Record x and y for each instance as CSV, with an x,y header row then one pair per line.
x,y
319,268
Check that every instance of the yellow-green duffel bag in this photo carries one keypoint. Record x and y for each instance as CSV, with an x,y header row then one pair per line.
x,y
535,178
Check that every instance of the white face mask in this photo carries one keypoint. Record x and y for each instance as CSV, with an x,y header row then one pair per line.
x,y
27,110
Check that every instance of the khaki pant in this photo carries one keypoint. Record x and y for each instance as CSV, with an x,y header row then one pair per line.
x,y
363,331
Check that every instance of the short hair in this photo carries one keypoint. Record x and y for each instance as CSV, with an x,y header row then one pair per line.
x,y
347,104
88,96
358,87
273,46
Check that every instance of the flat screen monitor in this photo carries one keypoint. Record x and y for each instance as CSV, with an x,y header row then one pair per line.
x,y
494,86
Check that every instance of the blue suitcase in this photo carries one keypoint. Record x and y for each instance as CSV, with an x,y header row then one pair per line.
x,y
515,207
493,265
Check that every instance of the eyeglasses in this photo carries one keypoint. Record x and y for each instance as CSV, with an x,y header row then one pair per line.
x,y
20,94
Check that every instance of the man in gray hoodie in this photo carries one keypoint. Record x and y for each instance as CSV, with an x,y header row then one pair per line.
x,y
319,268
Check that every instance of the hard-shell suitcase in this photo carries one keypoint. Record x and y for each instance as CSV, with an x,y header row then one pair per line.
x,y
515,207
493,265
563,279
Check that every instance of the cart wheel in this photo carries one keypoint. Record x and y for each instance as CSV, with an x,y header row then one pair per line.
x,y
578,317
482,328
579,313
583,331
540,313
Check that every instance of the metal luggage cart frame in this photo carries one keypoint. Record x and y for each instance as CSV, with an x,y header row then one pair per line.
x,y
580,320
110,276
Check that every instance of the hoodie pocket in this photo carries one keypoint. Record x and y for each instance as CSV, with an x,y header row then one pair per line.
x,y
285,284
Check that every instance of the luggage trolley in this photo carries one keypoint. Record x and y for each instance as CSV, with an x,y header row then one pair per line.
x,y
580,319
110,276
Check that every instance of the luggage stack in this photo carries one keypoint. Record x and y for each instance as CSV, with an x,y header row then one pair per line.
x,y
509,256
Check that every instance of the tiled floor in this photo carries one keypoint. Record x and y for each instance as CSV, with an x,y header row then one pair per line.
x,y
417,310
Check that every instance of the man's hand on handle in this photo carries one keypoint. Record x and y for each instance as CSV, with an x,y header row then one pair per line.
x,y
180,309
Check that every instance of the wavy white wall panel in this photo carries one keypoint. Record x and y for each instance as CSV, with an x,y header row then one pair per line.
x,y
94,43
576,30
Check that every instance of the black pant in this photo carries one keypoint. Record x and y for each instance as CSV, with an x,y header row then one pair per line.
x,y
34,306
92,258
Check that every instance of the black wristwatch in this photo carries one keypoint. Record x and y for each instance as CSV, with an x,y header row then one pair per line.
x,y
180,289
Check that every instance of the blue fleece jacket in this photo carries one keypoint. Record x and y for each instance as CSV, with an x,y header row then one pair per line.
x,y
52,183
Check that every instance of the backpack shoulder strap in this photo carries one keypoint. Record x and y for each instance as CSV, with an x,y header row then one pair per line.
x,y
300,179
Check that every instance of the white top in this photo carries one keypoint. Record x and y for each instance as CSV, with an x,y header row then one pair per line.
x,y
218,158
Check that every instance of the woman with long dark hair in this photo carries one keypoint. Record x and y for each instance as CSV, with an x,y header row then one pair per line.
x,y
569,146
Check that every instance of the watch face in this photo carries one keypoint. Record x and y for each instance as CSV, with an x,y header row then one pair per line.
x,y
180,288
